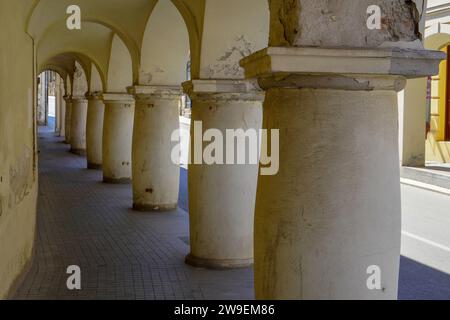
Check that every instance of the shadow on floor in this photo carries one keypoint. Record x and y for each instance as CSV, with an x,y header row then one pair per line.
x,y
420,282
183,200
443,169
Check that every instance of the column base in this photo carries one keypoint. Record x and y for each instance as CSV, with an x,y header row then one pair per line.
x,y
79,152
94,166
218,264
117,181
154,207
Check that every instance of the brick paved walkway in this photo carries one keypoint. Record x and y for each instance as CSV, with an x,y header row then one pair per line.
x,y
128,255
122,254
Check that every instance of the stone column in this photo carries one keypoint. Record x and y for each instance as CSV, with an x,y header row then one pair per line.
x,y
94,131
330,219
78,125
222,196
42,100
67,118
117,137
58,100
63,116
156,178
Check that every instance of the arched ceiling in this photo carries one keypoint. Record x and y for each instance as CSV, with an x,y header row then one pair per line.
x,y
60,71
91,44
127,19
62,64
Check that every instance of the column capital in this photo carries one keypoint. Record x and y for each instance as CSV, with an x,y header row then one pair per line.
x,y
118,98
161,92
79,98
67,98
240,90
97,95
350,69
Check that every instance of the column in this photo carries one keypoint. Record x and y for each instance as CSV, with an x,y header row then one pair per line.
x,y
78,125
58,99
94,131
156,178
117,137
331,218
222,196
62,114
67,118
42,98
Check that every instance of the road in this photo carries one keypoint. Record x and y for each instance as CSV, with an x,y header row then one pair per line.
x,y
425,270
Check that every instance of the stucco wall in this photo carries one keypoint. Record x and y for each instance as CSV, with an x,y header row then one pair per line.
x,y
18,182
120,67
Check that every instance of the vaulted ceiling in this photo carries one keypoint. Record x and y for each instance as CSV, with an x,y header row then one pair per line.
x,y
59,47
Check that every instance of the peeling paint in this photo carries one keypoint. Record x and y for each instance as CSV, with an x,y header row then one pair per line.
x,y
227,65
2,205
20,179
323,23
146,77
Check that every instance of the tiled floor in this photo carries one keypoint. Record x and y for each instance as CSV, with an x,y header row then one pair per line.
x,y
122,254
129,255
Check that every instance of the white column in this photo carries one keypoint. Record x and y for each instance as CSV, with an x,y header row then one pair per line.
x,y
63,116
94,131
78,125
332,213
156,178
222,196
117,137
67,118
58,103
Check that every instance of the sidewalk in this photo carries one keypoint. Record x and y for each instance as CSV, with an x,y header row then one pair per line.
x,y
435,177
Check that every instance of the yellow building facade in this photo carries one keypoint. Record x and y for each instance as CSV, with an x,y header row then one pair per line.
x,y
424,104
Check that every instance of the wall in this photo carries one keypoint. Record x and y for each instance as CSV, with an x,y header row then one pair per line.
x,y
247,30
412,117
80,84
120,67
164,59
413,101
18,182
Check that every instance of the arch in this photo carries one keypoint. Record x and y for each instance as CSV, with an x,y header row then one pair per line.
x,y
67,60
92,41
194,28
80,83
69,82
232,30
131,45
61,71
120,71
126,19
164,59
436,36
95,81
414,150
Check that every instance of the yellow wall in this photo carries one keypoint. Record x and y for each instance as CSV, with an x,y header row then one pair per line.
x,y
437,149
18,185
442,91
